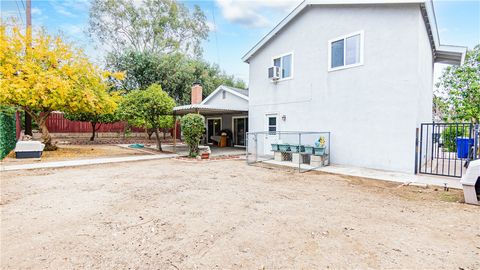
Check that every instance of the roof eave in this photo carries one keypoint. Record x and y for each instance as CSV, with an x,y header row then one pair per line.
x,y
442,53
224,88
452,55
274,31
306,3
205,109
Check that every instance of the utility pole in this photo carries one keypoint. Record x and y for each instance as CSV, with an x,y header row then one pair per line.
x,y
28,14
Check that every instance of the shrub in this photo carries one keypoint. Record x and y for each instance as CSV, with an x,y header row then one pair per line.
x,y
450,134
193,127
8,137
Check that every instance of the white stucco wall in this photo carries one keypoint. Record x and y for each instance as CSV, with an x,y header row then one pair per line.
x,y
372,110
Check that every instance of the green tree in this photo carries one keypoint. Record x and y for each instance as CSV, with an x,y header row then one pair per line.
x,y
95,119
147,108
155,26
459,88
175,72
165,123
44,74
193,128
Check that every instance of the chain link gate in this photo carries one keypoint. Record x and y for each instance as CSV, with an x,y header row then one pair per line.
x,y
445,149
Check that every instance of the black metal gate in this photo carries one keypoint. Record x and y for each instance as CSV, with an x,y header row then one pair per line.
x,y
446,148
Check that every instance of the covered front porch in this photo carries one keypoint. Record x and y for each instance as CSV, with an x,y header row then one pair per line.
x,y
230,121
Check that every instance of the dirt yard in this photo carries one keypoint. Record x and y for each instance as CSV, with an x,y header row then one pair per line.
x,y
70,152
172,214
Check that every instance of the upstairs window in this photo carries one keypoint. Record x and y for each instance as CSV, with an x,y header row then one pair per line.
x,y
345,51
284,62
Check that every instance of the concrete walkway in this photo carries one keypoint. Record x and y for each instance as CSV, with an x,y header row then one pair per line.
x,y
404,178
182,149
81,162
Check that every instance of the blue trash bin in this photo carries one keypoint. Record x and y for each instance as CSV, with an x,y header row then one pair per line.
x,y
463,146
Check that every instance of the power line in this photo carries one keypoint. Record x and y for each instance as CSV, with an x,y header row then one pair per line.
x,y
23,4
215,31
19,13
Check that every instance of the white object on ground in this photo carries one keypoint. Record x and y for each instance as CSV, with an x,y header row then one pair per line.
x,y
469,179
29,146
316,161
204,149
277,156
296,158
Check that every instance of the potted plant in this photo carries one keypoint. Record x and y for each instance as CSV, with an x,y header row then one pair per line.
x,y
204,152
308,149
274,146
296,148
284,147
319,149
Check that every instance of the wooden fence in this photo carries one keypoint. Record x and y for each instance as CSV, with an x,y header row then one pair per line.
x,y
56,123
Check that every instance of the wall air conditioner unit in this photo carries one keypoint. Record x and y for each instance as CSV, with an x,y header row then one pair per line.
x,y
274,73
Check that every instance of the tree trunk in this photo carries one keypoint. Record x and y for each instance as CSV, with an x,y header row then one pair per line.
x,y
159,143
41,120
28,124
164,133
150,132
94,124
146,133
125,128
195,150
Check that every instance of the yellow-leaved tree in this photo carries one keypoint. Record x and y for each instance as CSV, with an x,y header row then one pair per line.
x,y
42,74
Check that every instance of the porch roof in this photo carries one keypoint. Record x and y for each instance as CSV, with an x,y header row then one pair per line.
x,y
205,109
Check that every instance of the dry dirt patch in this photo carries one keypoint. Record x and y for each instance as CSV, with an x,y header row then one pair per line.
x,y
71,152
170,214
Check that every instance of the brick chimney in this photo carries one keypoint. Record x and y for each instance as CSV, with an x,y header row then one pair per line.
x,y
196,92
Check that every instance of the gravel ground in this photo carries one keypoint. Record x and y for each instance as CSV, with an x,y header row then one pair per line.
x,y
172,214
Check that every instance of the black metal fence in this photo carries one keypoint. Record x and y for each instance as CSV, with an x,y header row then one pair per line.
x,y
303,150
446,148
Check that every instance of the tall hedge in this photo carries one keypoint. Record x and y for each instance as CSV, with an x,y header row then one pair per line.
x,y
193,127
7,133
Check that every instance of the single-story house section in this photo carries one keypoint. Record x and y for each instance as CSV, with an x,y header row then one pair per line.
x,y
361,70
225,109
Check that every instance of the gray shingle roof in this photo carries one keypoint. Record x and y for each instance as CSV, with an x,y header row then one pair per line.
x,y
238,90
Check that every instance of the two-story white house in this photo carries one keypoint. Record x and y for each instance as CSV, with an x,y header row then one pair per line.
x,y
362,70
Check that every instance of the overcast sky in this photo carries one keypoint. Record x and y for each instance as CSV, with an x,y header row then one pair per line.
x,y
235,25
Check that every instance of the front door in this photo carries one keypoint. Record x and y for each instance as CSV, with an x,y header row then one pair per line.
x,y
271,136
214,125
240,129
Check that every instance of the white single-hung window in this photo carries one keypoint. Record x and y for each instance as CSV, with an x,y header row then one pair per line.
x,y
285,63
345,51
